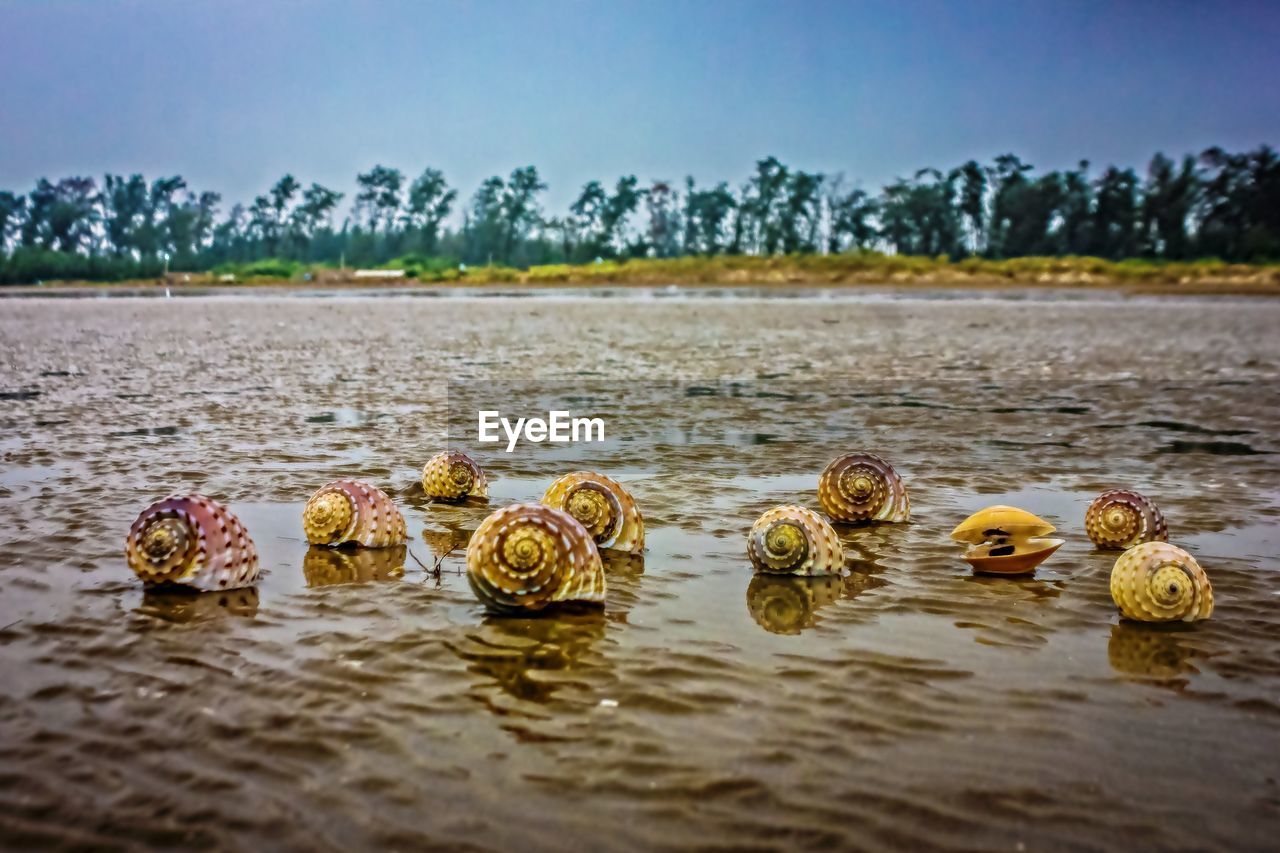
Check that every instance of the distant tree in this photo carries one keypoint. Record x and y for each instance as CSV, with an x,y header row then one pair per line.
x,y
1115,224
430,200
662,204
520,211
379,197
1169,198
12,209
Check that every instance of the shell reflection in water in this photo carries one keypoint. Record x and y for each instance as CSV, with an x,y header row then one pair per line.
x,y
603,506
191,541
784,604
863,487
531,659
794,540
327,566
1159,582
529,556
1005,540
182,606
452,475
1150,652
445,542
1120,519
348,511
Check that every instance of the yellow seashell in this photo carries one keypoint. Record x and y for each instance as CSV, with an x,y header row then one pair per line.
x,y
1159,582
1120,519
529,556
603,506
452,475
192,541
863,487
326,566
1006,540
794,540
348,511
1000,520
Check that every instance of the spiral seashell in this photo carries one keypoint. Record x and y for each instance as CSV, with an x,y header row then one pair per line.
x,y
863,487
348,511
794,540
192,541
1120,519
602,506
529,556
1006,540
452,475
327,566
1159,582
784,604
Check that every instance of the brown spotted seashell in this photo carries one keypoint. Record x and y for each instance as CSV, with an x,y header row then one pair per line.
x,y
1159,582
193,541
1120,519
348,511
794,540
525,557
452,475
863,487
603,506
327,566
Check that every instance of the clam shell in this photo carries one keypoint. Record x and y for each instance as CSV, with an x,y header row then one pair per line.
x,y
863,487
348,511
525,557
452,475
794,540
603,506
1120,519
1159,582
1000,521
192,541
1027,555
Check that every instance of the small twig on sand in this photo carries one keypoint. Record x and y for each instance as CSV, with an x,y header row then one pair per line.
x,y
11,624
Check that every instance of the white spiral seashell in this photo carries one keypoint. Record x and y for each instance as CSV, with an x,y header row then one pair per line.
x,y
794,540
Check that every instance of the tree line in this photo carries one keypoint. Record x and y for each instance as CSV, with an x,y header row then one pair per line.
x,y
1217,204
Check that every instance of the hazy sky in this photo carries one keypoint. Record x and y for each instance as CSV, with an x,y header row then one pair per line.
x,y
232,94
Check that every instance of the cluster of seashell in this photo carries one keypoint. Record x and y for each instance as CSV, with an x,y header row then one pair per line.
x,y
526,557
856,487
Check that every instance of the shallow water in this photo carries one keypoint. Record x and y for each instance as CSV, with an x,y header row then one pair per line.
x,y
360,701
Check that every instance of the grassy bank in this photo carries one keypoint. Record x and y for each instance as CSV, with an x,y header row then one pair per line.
x,y
866,268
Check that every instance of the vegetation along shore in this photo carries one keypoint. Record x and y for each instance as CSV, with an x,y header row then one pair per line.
x,y
1211,220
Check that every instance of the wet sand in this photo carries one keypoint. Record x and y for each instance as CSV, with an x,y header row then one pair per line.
x,y
351,702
